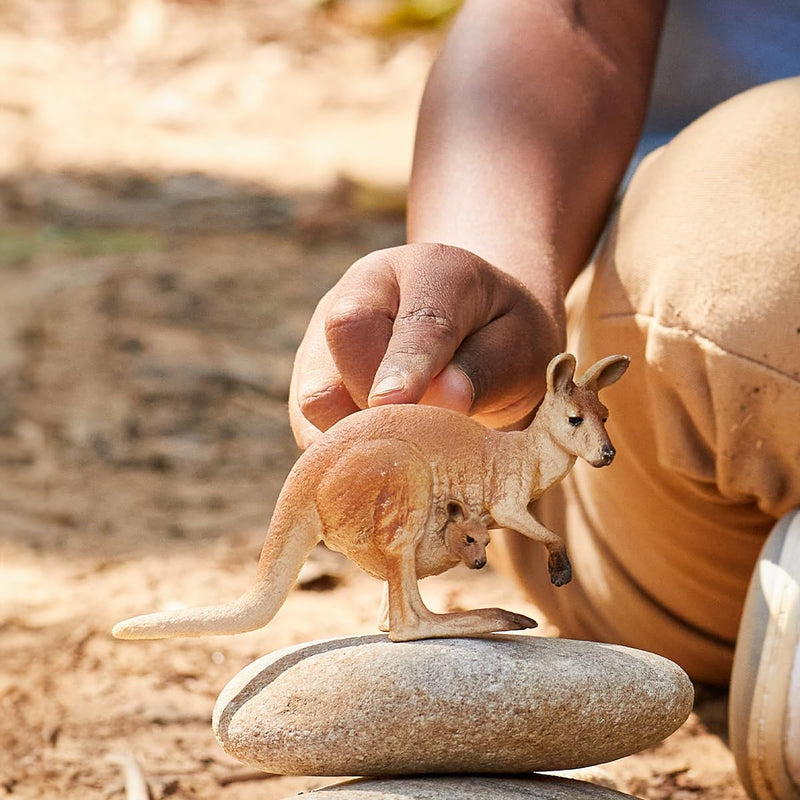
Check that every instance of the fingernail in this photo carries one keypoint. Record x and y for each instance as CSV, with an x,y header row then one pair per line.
x,y
388,385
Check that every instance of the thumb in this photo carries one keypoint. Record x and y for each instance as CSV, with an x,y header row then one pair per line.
x,y
452,389
422,344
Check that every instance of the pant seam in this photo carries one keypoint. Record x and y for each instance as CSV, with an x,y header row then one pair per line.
x,y
691,332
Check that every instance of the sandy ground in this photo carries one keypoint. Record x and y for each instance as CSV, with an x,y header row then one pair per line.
x,y
179,184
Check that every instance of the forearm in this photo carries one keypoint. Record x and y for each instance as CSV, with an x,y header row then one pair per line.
x,y
528,121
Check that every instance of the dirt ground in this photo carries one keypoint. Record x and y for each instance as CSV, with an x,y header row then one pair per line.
x,y
179,184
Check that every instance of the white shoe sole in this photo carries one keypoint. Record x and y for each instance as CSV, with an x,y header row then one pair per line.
x,y
764,711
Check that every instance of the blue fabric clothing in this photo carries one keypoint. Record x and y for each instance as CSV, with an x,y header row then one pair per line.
x,y
714,49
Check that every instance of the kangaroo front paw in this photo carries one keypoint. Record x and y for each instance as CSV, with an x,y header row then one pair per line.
x,y
560,568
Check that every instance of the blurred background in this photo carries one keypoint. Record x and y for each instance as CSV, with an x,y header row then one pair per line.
x,y
180,182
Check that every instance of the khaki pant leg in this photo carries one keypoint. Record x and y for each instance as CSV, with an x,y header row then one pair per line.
x,y
698,280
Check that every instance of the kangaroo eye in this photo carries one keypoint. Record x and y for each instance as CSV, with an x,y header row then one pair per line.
x,y
575,421
605,419
469,540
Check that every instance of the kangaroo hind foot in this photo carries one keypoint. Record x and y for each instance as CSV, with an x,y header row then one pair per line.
x,y
411,619
462,623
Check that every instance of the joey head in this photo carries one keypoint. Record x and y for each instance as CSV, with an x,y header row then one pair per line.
x,y
467,536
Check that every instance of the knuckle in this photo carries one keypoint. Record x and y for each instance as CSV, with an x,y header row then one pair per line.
x,y
313,401
344,315
408,355
431,318
347,317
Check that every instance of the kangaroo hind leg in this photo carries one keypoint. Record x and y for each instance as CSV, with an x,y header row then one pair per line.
x,y
410,618
383,610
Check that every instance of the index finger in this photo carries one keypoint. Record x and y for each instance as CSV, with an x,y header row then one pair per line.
x,y
444,298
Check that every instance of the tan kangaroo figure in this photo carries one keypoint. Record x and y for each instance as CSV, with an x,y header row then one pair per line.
x,y
401,490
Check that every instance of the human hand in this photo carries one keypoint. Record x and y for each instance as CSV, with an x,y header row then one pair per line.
x,y
422,323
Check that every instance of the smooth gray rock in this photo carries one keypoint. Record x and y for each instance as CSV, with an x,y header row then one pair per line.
x,y
467,787
498,704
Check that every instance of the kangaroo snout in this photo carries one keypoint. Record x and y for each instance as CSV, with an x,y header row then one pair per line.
x,y
607,453
479,563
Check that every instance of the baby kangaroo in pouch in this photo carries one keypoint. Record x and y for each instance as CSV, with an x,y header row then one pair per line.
x,y
466,537
408,491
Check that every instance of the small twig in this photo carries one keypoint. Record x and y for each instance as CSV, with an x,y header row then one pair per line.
x,y
136,787
114,790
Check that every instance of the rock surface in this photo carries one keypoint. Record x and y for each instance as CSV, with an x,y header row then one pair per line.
x,y
467,787
499,704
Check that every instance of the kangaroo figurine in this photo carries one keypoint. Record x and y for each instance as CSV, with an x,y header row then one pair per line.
x,y
407,491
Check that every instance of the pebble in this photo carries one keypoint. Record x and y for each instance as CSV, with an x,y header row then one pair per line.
x,y
467,787
496,704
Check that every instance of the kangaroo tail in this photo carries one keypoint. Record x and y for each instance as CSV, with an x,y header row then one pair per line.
x,y
285,550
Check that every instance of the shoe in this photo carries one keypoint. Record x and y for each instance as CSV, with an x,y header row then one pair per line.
x,y
764,709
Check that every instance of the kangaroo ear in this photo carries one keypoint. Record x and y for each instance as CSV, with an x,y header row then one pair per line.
x,y
455,512
560,372
605,372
